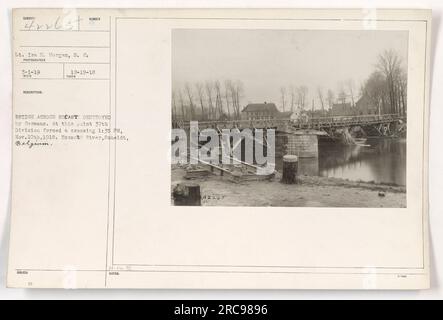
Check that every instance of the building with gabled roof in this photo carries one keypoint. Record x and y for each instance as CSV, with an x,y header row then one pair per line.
x,y
263,111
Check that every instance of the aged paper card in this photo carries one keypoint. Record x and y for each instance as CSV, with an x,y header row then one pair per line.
x,y
220,149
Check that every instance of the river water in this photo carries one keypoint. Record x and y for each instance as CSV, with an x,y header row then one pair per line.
x,y
381,160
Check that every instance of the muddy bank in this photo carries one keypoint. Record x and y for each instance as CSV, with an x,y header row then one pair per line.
x,y
311,191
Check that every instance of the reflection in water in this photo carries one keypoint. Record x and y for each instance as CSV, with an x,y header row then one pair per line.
x,y
383,161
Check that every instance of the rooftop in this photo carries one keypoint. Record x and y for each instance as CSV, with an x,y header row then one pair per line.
x,y
260,107
285,115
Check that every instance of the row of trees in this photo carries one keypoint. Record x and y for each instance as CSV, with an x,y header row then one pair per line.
x,y
294,97
298,98
208,101
386,87
385,90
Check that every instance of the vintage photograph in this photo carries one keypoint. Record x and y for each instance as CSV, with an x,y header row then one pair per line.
x,y
289,118
298,152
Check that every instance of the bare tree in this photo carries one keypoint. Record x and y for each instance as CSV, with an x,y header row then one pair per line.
x,y
233,93
208,90
403,88
236,91
389,63
375,90
283,98
199,88
218,98
227,90
238,94
182,103
321,98
330,98
299,97
188,91
302,93
174,105
292,92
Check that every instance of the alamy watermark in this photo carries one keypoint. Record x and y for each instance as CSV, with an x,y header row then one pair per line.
x,y
210,146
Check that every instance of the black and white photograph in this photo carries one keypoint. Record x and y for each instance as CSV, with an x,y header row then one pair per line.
x,y
244,150
289,118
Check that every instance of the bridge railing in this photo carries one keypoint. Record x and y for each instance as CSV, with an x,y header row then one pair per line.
x,y
303,123
234,123
358,118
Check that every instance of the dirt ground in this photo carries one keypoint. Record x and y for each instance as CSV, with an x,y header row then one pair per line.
x,y
309,192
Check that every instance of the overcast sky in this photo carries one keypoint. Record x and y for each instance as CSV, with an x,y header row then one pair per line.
x,y
266,60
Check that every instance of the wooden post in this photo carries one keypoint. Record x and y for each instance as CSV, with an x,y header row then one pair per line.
x,y
290,168
187,194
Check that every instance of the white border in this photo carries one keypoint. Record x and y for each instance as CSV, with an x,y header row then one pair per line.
x,y
5,112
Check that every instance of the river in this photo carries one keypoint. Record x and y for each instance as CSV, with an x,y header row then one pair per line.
x,y
381,160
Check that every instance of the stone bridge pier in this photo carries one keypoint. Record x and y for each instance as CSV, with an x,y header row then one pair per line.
x,y
302,143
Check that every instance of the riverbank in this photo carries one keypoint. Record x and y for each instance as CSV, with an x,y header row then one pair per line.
x,y
311,191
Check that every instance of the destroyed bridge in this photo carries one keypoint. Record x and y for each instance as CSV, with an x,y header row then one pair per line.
x,y
302,134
